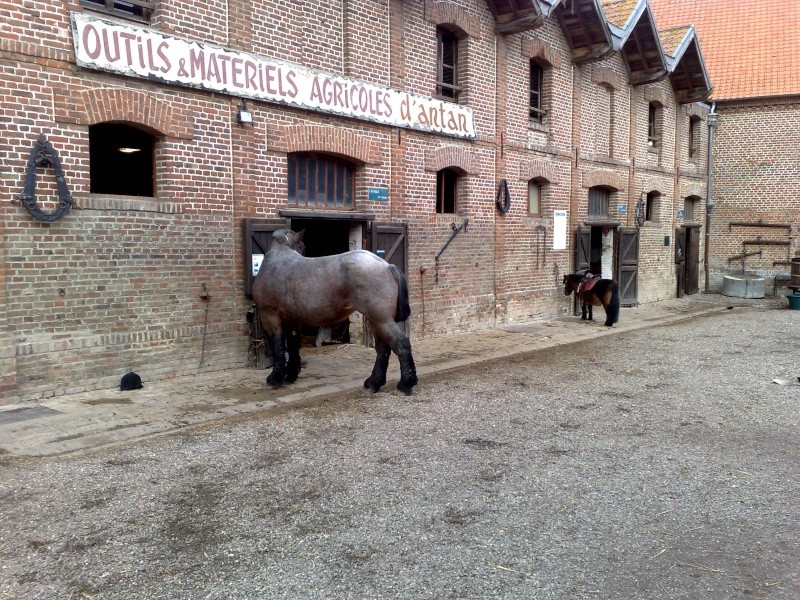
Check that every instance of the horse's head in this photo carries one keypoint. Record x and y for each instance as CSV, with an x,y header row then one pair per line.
x,y
292,239
567,285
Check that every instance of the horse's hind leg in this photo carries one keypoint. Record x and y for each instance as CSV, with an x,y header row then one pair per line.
x,y
378,378
293,339
392,337
277,345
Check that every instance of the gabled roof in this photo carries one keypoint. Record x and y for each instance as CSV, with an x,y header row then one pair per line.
x,y
634,34
514,16
751,48
685,64
585,28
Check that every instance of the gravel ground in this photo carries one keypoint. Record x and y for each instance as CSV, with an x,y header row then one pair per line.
x,y
658,463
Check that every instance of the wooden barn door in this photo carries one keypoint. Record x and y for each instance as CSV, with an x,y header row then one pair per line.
x,y
583,248
680,260
390,242
692,262
628,265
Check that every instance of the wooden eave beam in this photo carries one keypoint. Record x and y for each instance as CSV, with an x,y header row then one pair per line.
x,y
532,20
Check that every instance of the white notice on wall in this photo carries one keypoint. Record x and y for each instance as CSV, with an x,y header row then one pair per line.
x,y
559,230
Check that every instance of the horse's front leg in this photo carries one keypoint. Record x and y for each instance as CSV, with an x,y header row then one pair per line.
x,y
589,311
293,338
378,377
277,346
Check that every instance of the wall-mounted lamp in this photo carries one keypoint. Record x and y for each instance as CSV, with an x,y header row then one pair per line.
x,y
244,116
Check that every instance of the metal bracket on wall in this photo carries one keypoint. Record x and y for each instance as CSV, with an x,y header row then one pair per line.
x,y
43,154
456,231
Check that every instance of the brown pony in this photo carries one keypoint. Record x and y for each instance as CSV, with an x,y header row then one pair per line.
x,y
600,292
292,290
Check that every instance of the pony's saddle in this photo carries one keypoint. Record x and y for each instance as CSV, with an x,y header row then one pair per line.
x,y
587,283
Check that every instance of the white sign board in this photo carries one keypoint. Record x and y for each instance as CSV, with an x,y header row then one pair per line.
x,y
257,260
136,52
559,230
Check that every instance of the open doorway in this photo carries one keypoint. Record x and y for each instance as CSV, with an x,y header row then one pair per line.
x,y
595,250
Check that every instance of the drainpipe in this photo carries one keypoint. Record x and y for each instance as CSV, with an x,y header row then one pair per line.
x,y
711,119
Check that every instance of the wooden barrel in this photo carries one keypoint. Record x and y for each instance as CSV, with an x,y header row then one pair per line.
x,y
795,273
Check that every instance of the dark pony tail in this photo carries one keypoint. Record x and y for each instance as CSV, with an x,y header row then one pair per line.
x,y
403,307
612,310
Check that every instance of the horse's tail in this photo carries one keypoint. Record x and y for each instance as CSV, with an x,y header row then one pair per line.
x,y
612,310
403,307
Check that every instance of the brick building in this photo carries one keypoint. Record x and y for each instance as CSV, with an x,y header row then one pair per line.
x,y
537,137
756,164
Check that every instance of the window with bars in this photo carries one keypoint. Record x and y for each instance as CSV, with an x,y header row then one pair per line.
x,y
598,202
536,103
688,209
140,10
320,181
447,65
446,191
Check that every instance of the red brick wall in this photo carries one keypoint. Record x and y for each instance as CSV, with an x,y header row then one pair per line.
x,y
114,286
756,175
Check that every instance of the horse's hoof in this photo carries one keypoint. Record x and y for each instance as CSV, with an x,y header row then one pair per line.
x,y
405,388
372,386
274,383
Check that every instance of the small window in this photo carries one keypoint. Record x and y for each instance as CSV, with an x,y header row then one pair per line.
x,y
651,208
653,126
140,10
536,107
121,160
694,137
598,202
447,65
446,191
688,209
320,181
534,197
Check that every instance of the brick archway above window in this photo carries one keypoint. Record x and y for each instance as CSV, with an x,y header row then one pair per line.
x,y
652,94
544,53
605,76
653,185
694,110
89,107
330,140
451,156
537,169
603,178
444,12
692,188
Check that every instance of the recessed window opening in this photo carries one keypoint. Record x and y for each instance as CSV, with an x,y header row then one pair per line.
x,y
651,208
653,126
446,191
534,197
447,65
536,109
598,202
138,9
688,209
320,181
694,137
121,160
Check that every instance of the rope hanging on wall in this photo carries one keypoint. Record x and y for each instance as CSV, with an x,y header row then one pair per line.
x,y
503,198
43,154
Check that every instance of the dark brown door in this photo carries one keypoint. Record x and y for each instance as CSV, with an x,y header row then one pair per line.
x,y
257,239
583,248
390,242
680,260
692,263
628,265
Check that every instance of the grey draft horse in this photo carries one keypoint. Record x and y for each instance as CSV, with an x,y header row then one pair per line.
x,y
292,290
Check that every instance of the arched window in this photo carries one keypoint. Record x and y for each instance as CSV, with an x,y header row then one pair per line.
x,y
534,197
320,181
536,106
447,190
652,208
654,126
121,160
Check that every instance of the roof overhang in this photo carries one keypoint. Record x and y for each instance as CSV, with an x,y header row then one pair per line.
x,y
515,16
585,29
